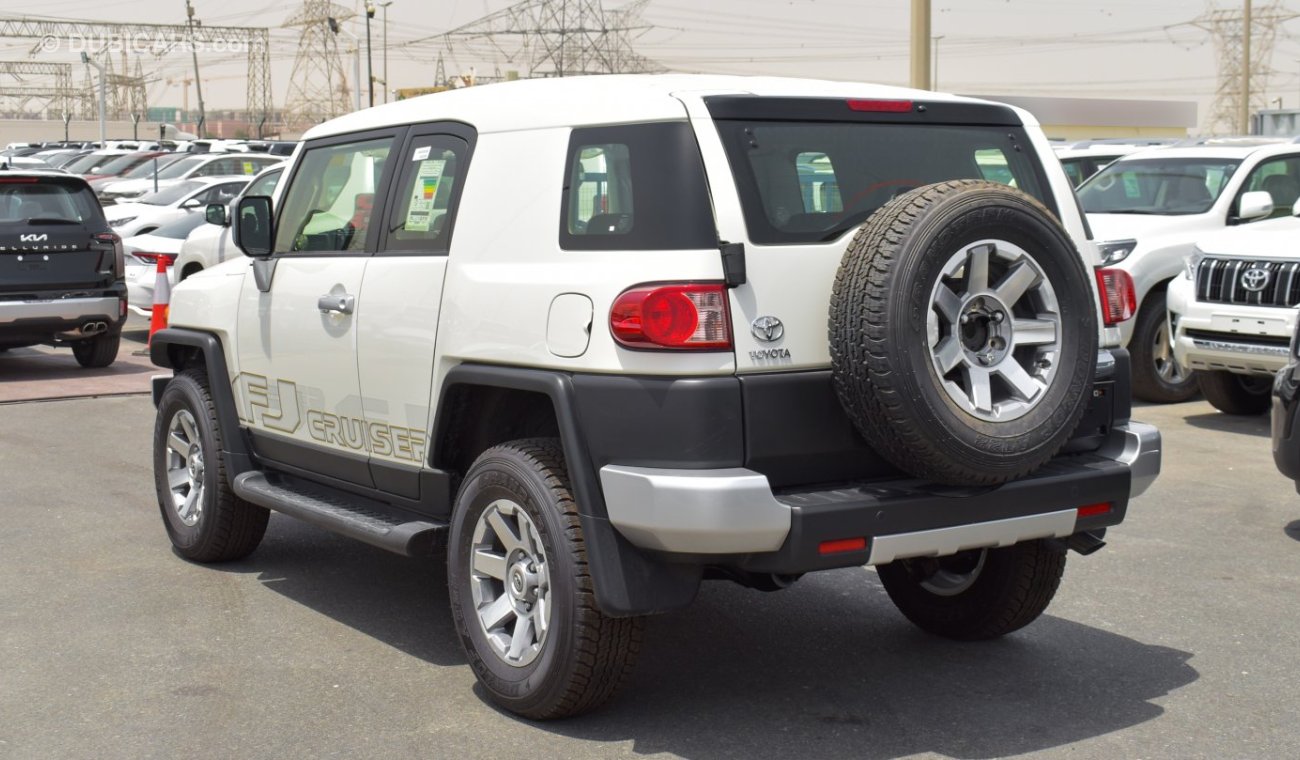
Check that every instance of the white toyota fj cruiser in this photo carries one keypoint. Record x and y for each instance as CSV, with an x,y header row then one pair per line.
x,y
612,336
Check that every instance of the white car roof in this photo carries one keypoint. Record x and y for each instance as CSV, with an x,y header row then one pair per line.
x,y
604,99
1216,151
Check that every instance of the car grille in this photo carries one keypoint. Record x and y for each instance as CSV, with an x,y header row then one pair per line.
x,y
1220,280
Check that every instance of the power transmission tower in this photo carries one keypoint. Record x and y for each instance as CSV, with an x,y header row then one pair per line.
x,y
48,85
317,88
1226,27
555,38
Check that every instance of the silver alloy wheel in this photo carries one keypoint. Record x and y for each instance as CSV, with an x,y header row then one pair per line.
x,y
955,574
994,330
510,582
1167,368
185,467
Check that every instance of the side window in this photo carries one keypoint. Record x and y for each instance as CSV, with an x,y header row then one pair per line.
x,y
635,187
264,185
1280,179
425,201
818,184
330,203
994,167
207,170
222,193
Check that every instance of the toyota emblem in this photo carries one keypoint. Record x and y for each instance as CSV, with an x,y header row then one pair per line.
x,y
767,329
1256,278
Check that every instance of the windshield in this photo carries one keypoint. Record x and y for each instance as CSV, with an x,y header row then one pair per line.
x,y
169,195
805,181
121,164
177,169
181,228
145,170
1159,186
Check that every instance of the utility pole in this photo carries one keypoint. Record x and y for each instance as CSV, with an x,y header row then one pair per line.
x,y
385,7
935,79
103,97
920,44
191,22
370,66
1244,116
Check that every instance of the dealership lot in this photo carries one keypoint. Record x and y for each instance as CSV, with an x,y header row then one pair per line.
x,y
1173,641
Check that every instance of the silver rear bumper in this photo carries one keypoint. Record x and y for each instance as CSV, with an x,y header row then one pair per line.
x,y
67,309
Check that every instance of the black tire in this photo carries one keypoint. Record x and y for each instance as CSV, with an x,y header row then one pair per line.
x,y
882,312
226,527
584,657
99,351
1012,587
1231,393
1157,378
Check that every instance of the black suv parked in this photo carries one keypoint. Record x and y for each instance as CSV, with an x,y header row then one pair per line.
x,y
61,268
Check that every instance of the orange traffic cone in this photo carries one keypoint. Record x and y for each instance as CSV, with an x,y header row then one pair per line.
x,y
162,298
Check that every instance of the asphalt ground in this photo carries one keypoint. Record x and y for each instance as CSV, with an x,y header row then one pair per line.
x,y
1177,640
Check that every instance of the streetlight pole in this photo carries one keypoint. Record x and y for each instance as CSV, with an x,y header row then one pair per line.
x,y
385,7
370,66
191,22
920,44
1244,117
103,98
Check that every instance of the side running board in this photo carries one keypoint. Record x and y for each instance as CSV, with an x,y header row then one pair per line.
x,y
353,516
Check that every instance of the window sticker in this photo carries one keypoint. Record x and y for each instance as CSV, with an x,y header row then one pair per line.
x,y
420,154
420,212
1131,188
250,167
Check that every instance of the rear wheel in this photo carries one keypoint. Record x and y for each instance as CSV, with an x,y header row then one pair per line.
x,y
521,594
977,594
99,351
1157,377
1231,393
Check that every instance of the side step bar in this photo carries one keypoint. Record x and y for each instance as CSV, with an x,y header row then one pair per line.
x,y
352,516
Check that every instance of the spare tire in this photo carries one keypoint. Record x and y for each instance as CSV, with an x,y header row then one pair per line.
x,y
963,333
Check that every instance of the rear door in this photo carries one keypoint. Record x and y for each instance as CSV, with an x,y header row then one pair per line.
x,y
792,178
298,387
402,296
47,229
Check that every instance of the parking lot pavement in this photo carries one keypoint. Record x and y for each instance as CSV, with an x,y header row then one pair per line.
x,y
40,372
1177,640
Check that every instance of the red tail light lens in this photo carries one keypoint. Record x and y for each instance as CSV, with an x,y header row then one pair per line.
x,y
1118,297
1092,510
119,255
839,546
688,316
881,106
152,258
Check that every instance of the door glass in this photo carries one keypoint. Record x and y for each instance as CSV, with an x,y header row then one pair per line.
x,y
1278,178
424,205
329,205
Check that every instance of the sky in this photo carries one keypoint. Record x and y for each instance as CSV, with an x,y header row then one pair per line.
x,y
1079,48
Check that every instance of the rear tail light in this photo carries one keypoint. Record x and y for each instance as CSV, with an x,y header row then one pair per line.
x,y
119,255
152,258
881,106
1118,297
1093,510
678,316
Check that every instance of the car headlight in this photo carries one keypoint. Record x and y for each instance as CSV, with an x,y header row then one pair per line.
x,y
1193,262
121,221
1115,251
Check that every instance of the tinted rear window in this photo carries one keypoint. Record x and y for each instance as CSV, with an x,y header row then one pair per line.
x,y
636,187
45,202
804,182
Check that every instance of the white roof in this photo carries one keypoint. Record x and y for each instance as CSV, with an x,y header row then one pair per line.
x,y
1214,151
607,99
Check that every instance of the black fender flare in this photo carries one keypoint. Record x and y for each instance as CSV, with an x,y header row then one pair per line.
x,y
235,449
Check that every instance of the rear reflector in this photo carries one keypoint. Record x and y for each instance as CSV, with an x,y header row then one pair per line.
x,y
1092,510
1118,297
881,106
841,545
686,316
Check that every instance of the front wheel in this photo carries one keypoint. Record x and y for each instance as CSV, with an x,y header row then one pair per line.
x,y
521,593
1157,376
977,594
1231,393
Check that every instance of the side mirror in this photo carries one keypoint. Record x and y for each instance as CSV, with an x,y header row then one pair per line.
x,y
1255,205
215,213
252,226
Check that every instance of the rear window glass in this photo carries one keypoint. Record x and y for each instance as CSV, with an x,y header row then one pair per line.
x,y
636,187
804,182
37,203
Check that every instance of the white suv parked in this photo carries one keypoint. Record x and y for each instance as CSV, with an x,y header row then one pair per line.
x,y
1147,211
1233,312
578,330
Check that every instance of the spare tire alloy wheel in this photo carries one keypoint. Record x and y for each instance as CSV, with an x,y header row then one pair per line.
x,y
963,334
976,337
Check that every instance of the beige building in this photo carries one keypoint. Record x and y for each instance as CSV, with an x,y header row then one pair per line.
x,y
1097,118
